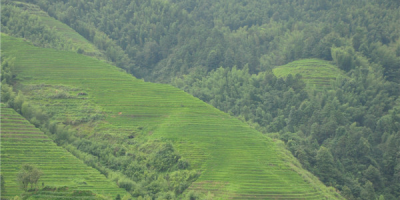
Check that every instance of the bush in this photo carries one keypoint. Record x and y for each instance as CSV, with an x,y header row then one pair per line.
x,y
183,164
193,195
164,158
82,193
60,95
126,184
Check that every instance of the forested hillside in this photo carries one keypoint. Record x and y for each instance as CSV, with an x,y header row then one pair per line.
x,y
158,39
227,52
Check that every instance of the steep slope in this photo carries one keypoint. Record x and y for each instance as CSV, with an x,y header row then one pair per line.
x,y
315,72
173,37
236,161
22,143
35,20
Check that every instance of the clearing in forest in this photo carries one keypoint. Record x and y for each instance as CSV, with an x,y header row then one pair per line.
x,y
315,72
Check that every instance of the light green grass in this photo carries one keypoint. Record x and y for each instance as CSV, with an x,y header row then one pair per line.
x,y
64,30
22,143
315,72
236,161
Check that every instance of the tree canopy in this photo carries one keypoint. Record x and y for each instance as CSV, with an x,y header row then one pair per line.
x,y
29,174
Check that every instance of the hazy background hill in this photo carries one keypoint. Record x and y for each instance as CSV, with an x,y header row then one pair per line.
x,y
345,130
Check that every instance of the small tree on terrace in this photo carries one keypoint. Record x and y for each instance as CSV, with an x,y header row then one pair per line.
x,y
28,174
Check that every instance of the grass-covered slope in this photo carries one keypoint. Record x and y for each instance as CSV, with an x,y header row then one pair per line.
x,y
22,143
236,161
69,36
315,72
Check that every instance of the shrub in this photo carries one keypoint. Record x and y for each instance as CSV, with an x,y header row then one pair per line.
x,y
183,164
126,184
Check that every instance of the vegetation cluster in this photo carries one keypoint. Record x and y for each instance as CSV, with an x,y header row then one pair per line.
x,y
224,52
29,174
34,167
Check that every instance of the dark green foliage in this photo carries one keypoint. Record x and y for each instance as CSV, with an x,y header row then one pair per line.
x,y
164,158
374,176
368,192
344,58
142,167
7,70
2,186
19,23
325,166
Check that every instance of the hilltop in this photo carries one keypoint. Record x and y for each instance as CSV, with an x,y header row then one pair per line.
x,y
235,161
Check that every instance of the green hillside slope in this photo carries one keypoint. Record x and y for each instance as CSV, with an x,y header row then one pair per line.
x,y
236,161
22,143
318,73
32,15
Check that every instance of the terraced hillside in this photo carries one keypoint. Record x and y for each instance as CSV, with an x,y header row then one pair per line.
x,y
236,161
318,73
22,143
66,32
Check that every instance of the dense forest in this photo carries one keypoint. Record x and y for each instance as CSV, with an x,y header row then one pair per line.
x,y
223,52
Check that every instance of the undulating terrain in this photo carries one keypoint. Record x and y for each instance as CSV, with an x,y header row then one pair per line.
x,y
305,84
233,160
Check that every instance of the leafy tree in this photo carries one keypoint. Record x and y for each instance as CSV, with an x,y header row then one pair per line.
x,y
28,174
344,58
373,175
346,192
325,165
368,192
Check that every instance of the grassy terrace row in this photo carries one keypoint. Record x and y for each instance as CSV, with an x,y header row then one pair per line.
x,y
60,168
236,161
